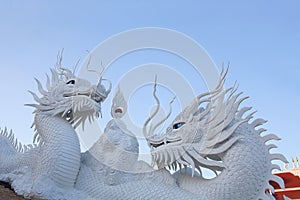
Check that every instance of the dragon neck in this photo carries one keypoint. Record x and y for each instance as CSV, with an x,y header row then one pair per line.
x,y
59,149
247,171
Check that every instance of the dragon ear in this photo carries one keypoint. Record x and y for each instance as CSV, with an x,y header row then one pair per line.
x,y
119,105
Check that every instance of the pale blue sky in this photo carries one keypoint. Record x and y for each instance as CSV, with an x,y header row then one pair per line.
x,y
261,39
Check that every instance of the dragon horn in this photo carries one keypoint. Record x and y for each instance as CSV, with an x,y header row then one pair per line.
x,y
63,71
146,134
165,118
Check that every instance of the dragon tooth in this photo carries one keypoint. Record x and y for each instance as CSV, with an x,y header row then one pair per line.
x,y
171,167
75,108
166,156
80,106
172,156
161,158
180,167
88,104
175,166
152,160
155,157
65,113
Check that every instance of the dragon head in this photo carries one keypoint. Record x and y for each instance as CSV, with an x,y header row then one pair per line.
x,y
198,136
70,97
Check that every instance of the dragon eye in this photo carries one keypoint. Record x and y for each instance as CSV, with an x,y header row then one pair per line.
x,y
71,82
178,125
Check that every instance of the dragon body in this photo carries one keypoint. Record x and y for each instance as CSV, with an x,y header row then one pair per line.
x,y
218,137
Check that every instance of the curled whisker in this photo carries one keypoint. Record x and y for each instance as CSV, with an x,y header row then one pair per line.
x,y
76,65
62,71
146,134
151,131
59,60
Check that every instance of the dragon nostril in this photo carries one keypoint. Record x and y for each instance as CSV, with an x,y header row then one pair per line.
x,y
118,110
71,82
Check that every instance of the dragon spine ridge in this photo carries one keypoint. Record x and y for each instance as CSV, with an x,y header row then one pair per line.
x,y
13,141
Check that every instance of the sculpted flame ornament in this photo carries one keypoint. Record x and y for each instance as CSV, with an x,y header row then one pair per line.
x,y
218,137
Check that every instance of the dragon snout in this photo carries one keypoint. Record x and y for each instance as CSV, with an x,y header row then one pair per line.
x,y
155,143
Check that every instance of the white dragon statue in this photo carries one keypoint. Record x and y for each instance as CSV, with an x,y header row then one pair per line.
x,y
53,162
217,137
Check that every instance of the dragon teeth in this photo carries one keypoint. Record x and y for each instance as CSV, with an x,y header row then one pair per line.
x,y
161,157
166,156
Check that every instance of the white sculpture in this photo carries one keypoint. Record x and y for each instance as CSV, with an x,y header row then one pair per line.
x,y
221,139
50,167
217,137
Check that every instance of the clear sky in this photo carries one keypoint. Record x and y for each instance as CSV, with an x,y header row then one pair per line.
x,y
261,39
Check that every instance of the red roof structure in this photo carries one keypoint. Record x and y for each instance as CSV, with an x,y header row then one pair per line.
x,y
291,179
